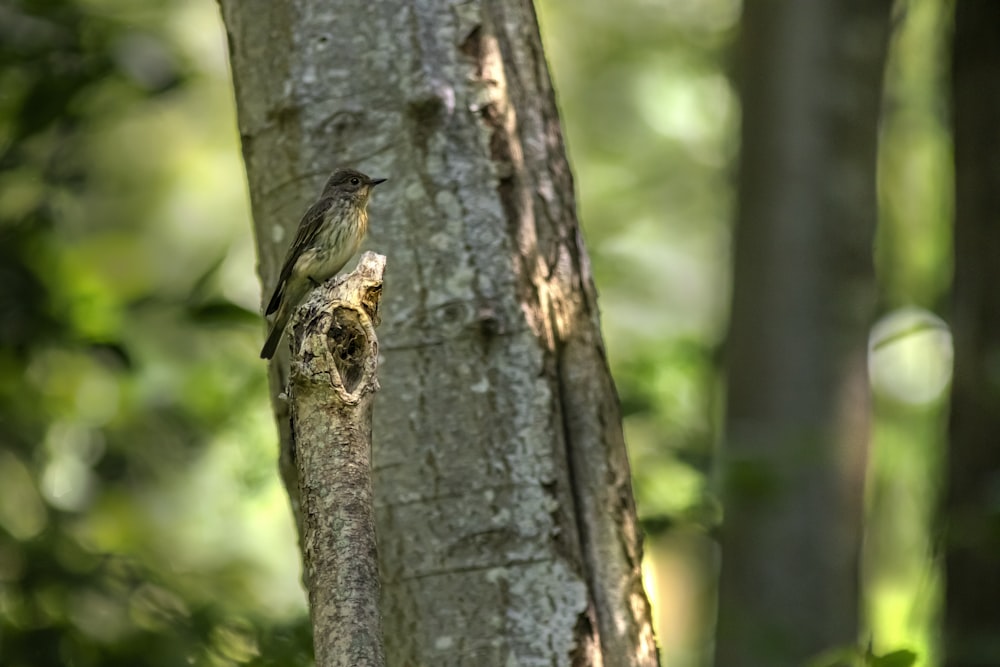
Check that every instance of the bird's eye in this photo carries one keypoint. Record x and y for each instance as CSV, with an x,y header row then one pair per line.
x,y
355,181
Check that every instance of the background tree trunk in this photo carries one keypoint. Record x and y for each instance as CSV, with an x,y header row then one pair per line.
x,y
798,415
972,588
506,524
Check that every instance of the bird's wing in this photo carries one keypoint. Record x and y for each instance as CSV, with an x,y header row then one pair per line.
x,y
308,227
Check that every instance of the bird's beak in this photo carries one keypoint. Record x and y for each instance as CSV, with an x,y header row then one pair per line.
x,y
376,181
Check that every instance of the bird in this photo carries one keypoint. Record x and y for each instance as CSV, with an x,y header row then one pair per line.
x,y
329,234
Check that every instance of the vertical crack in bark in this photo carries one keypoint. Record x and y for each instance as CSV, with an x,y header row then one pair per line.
x,y
586,634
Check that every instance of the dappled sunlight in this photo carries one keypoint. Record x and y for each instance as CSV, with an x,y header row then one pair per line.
x,y
902,612
692,108
910,356
22,512
231,507
677,572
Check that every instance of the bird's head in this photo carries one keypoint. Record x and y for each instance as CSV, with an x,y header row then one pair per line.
x,y
350,184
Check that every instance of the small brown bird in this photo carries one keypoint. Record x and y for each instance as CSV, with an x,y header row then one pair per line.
x,y
329,234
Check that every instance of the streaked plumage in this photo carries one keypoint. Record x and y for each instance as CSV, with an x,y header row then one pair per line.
x,y
329,234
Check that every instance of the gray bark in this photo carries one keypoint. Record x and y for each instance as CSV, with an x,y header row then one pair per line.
x,y
797,415
972,524
331,390
506,523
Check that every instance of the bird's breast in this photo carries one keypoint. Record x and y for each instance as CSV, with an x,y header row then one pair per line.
x,y
337,240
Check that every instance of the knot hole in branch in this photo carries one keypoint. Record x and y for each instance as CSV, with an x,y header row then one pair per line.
x,y
348,345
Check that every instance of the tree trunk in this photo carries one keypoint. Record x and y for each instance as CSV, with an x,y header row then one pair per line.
x,y
972,523
798,415
507,530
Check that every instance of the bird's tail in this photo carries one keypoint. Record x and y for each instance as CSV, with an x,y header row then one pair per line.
x,y
273,338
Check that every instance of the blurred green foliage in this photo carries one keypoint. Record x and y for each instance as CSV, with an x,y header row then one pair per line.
x,y
137,458
141,519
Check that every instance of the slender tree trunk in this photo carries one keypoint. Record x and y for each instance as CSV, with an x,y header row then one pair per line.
x,y
972,523
797,419
331,389
507,531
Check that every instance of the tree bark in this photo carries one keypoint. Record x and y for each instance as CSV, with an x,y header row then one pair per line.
x,y
972,523
505,514
331,390
803,295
